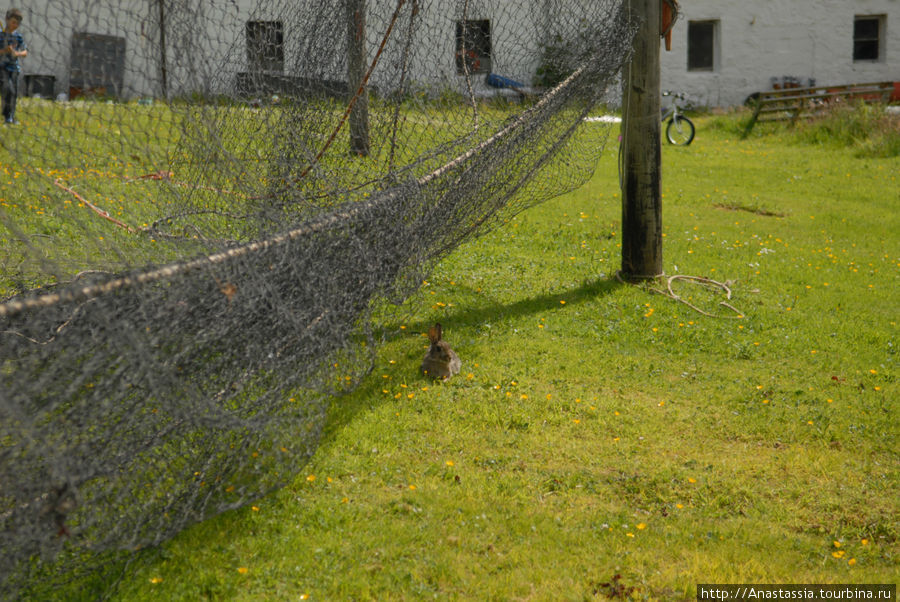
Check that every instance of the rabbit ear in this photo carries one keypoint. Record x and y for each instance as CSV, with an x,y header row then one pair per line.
x,y
434,333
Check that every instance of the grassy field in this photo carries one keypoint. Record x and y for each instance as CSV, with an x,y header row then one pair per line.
x,y
90,185
604,440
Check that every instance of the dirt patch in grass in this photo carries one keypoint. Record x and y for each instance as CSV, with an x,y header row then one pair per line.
x,y
750,209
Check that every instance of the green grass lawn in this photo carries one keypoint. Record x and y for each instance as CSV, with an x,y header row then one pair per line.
x,y
600,429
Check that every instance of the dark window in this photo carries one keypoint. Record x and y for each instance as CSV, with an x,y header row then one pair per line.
x,y
867,38
98,65
701,45
265,45
473,46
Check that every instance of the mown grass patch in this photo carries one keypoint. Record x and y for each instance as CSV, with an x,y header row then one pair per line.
x,y
599,429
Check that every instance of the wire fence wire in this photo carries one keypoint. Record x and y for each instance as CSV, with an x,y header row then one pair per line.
x,y
200,223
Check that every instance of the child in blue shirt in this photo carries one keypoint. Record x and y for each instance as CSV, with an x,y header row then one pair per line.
x,y
12,48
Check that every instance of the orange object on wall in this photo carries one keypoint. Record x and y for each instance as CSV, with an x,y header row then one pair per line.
x,y
669,14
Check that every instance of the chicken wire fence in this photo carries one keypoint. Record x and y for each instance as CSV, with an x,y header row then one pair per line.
x,y
204,214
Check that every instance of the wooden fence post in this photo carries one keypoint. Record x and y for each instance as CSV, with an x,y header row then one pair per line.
x,y
163,60
641,168
356,71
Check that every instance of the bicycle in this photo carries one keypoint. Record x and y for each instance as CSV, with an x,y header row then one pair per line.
x,y
680,129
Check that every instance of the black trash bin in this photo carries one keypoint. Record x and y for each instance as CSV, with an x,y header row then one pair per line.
x,y
40,85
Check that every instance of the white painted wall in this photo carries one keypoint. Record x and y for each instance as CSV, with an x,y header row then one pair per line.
x,y
761,39
192,59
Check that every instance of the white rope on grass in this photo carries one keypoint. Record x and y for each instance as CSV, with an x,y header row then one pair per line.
x,y
671,294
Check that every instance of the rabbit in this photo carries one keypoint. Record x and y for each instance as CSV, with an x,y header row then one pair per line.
x,y
440,362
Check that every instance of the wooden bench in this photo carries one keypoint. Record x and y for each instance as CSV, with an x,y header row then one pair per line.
x,y
793,103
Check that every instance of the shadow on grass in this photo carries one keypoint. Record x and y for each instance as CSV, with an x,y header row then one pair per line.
x,y
105,580
588,291
369,393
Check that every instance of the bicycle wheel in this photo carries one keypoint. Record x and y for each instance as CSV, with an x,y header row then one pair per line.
x,y
680,131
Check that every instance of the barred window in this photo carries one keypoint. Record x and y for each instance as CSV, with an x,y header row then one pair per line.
x,y
265,45
868,38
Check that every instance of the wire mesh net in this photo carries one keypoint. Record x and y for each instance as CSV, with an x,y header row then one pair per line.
x,y
201,218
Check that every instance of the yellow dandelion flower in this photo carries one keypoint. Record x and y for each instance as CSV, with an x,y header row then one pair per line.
x,y
242,570
311,478
852,561
155,580
641,526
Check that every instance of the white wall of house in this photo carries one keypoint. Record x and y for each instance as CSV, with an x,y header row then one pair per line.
x,y
763,39
200,34
206,40
756,40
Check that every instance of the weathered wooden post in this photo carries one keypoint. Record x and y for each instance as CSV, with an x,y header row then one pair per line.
x,y
356,73
163,67
641,191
